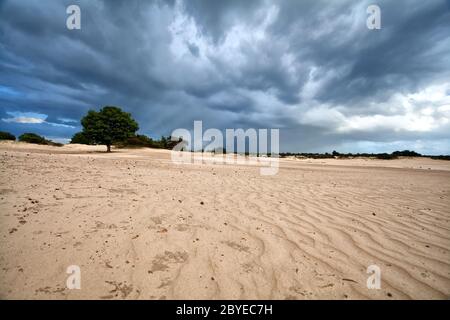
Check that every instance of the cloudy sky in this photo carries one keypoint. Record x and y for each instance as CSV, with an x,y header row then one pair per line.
x,y
310,68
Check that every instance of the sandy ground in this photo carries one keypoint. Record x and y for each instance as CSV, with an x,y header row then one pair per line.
x,y
141,227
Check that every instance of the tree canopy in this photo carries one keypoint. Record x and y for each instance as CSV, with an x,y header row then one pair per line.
x,y
80,138
108,126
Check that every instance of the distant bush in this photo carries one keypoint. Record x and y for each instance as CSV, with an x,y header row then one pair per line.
x,y
37,139
6,136
142,141
80,138
385,156
335,154
167,143
406,153
32,138
138,141
441,157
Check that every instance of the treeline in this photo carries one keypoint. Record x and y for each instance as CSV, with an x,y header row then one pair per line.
x,y
108,126
112,126
383,156
30,138
136,141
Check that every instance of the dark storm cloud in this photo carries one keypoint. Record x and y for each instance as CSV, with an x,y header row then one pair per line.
x,y
311,68
216,17
405,55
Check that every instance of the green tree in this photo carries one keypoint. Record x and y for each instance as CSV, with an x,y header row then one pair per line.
x,y
108,126
80,138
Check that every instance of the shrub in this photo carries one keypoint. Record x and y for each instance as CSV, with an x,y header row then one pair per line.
x,y
406,153
138,141
441,157
6,136
142,141
32,138
167,143
385,156
37,139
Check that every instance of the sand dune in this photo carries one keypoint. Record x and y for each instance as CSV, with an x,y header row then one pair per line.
x,y
141,227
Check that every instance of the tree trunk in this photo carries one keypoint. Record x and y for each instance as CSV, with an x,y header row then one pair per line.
x,y
108,148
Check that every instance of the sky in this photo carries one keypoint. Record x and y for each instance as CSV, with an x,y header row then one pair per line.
x,y
312,69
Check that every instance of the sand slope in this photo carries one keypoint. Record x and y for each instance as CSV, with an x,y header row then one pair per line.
x,y
141,227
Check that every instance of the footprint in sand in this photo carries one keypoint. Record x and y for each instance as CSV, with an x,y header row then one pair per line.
x,y
121,288
236,246
161,261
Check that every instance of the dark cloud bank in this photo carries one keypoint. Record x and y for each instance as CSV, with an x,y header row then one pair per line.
x,y
311,68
